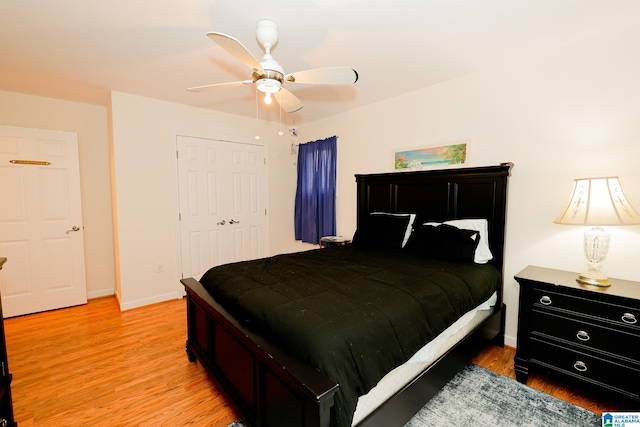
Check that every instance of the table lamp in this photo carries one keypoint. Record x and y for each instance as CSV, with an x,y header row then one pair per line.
x,y
597,202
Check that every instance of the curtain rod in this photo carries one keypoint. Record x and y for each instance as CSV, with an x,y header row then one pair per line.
x,y
299,143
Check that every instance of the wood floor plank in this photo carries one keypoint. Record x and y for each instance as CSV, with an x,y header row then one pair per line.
x,y
93,365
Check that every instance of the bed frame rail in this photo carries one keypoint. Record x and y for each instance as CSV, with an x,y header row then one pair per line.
x,y
398,410
268,387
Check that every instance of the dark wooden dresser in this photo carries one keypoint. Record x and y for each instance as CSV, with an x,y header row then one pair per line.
x,y
6,404
586,333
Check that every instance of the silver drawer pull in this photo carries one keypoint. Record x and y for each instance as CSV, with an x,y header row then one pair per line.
x,y
629,318
545,300
583,336
580,366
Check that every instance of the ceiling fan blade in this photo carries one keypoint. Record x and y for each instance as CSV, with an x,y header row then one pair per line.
x,y
218,85
288,101
325,76
237,49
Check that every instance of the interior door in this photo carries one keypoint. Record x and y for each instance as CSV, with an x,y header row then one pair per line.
x,y
40,221
222,191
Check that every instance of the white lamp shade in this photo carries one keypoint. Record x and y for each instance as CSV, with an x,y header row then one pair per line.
x,y
598,201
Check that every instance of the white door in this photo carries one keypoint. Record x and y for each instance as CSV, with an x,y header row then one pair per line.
x,y
223,206
40,221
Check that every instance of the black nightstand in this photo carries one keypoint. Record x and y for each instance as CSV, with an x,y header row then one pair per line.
x,y
328,241
586,333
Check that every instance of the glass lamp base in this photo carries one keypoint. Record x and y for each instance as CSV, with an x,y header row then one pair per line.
x,y
593,278
596,246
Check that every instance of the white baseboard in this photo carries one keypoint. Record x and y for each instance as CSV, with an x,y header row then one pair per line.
x,y
146,301
101,293
510,341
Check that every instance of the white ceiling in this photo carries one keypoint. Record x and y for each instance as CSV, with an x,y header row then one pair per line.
x,y
82,49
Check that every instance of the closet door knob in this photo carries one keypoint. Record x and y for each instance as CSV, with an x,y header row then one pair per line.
x,y
233,221
223,222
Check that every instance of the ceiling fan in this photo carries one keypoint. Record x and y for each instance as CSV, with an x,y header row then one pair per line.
x,y
268,76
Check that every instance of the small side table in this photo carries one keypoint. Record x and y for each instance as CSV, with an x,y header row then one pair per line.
x,y
329,241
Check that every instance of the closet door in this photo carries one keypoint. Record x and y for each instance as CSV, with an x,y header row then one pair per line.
x,y
222,191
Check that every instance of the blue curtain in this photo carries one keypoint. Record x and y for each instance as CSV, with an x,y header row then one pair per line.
x,y
315,208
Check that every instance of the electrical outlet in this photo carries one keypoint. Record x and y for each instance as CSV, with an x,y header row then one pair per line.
x,y
159,267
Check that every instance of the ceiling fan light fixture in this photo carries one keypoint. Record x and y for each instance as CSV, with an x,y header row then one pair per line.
x,y
268,85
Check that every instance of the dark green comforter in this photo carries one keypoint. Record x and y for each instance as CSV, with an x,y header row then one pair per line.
x,y
352,312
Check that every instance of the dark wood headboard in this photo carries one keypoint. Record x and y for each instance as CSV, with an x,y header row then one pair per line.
x,y
442,194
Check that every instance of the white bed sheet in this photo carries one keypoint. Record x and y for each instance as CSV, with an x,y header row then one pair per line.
x,y
404,374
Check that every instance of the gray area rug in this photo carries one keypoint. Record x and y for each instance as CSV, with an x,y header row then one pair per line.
x,y
479,397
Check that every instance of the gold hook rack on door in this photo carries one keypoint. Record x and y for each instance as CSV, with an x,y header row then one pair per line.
x,y
29,162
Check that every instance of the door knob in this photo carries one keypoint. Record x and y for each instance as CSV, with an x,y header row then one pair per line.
x,y
74,228
223,222
233,221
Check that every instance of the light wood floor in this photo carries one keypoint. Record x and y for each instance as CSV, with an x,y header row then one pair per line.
x,y
93,365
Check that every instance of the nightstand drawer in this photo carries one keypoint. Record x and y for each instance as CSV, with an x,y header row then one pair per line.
x,y
602,372
587,334
625,315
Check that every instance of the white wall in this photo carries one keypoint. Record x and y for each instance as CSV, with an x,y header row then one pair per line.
x,y
90,123
145,204
562,115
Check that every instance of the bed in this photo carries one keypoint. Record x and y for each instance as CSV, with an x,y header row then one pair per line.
x,y
269,369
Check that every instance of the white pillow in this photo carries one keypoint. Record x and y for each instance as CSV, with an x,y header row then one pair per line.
x,y
483,253
407,232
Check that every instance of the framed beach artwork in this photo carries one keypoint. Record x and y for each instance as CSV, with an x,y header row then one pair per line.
x,y
452,154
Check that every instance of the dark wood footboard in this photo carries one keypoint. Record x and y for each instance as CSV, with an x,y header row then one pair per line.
x,y
269,387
